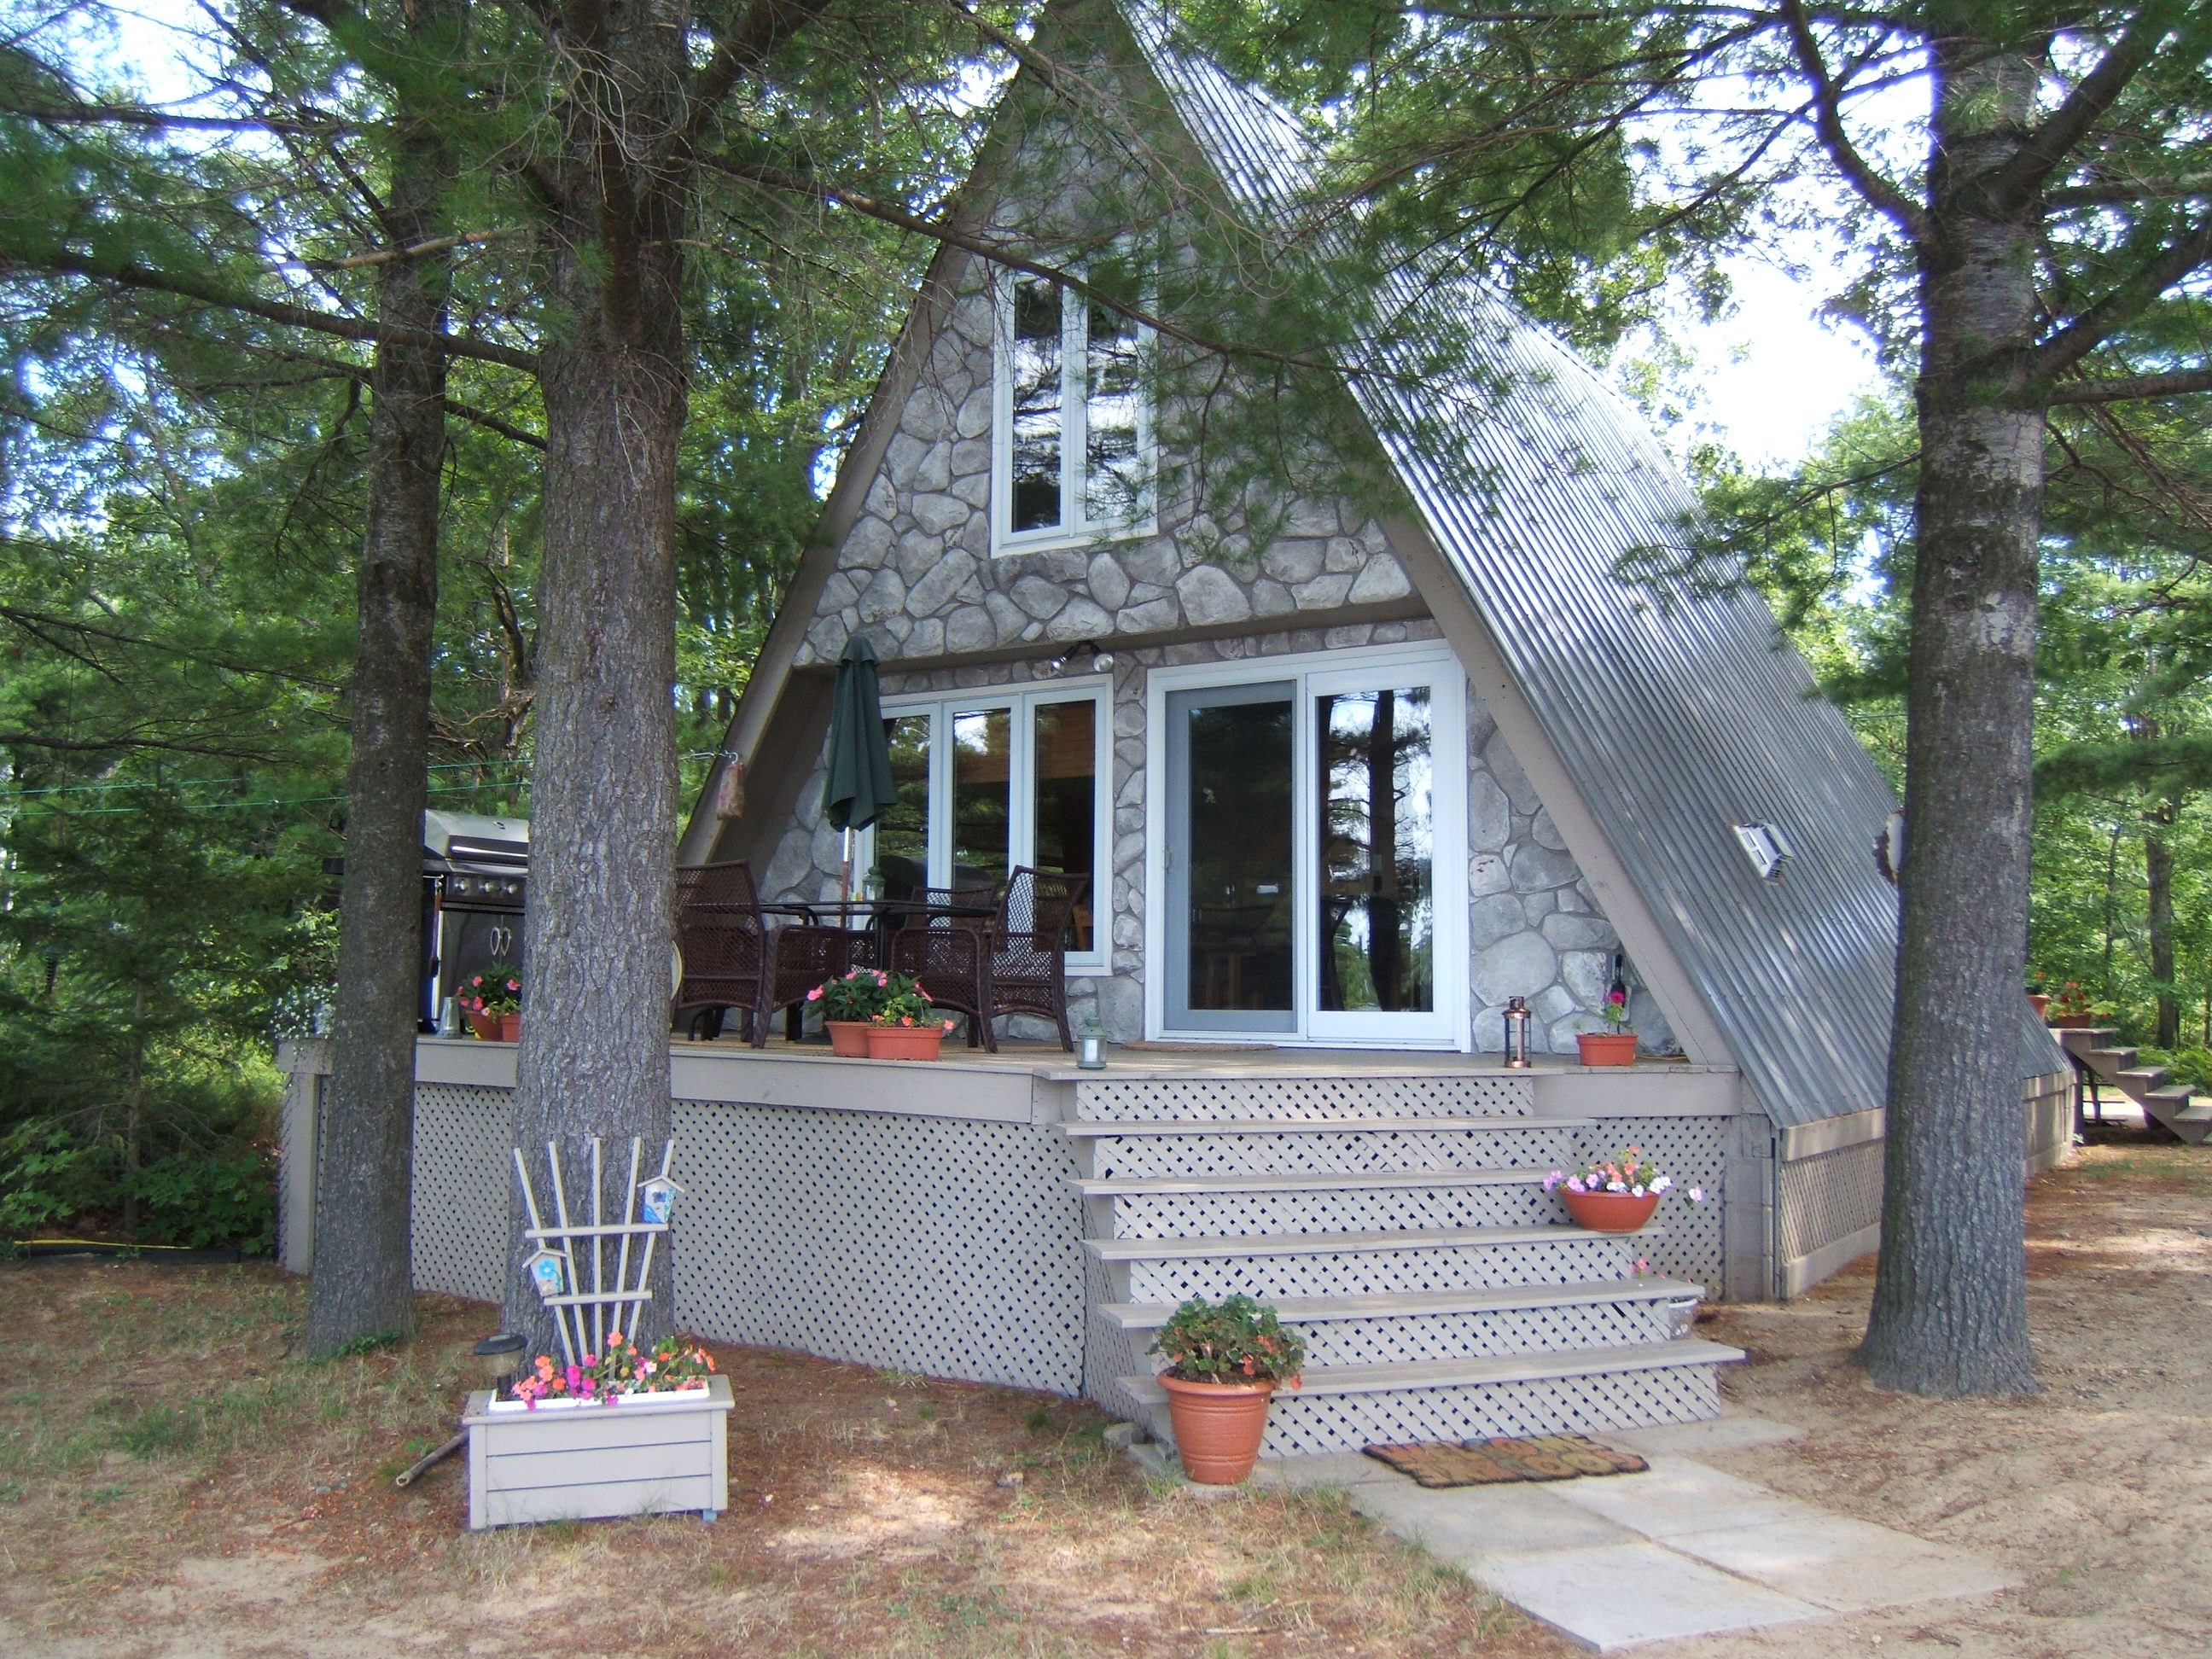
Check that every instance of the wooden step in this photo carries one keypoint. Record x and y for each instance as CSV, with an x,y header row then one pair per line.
x,y
1168,1249
2140,1080
1093,1128
1302,1181
2110,1059
1323,1382
1312,1310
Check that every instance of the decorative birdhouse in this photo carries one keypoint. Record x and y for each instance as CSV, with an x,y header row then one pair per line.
x,y
548,1271
656,1199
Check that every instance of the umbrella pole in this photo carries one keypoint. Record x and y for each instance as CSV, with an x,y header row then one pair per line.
x,y
845,875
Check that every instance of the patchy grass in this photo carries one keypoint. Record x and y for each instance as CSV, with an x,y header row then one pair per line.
x,y
163,1450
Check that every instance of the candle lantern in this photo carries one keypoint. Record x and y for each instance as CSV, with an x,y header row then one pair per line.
x,y
1090,1046
1516,1033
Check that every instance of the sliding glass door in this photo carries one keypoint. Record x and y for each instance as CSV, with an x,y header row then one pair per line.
x,y
1312,862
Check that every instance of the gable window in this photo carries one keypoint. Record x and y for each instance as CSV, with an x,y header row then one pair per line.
x,y
1071,456
988,780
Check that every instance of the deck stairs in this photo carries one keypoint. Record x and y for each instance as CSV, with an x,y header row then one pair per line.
x,y
1400,1225
2168,1104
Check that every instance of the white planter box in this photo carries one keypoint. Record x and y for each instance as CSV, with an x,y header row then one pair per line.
x,y
569,1462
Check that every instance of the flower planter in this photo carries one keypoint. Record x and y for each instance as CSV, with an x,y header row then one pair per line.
x,y
650,1454
2073,1021
510,1028
848,1037
1610,1213
905,1042
1607,1048
1217,1427
2040,1003
486,1026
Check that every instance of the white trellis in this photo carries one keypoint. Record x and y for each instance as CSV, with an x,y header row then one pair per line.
x,y
573,1251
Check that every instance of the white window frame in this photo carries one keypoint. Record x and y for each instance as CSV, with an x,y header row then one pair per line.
x,y
1021,788
1450,1026
1073,529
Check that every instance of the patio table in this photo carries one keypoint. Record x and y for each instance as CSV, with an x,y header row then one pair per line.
x,y
885,916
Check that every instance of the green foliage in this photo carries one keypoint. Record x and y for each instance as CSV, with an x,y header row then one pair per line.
x,y
1233,1340
220,1199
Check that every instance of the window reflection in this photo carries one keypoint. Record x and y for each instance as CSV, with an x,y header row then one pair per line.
x,y
1378,847
1112,478
1066,765
902,832
981,775
1038,417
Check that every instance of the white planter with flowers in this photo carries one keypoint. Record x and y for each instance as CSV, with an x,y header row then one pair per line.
x,y
570,1455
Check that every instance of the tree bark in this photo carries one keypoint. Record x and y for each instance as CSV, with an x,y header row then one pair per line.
x,y
363,1286
2158,879
1950,1307
597,930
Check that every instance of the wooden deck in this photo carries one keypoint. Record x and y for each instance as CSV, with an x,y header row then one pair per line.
x,y
1036,1082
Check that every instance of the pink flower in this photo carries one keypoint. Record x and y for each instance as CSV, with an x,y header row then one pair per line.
x,y
514,985
814,995
1697,1195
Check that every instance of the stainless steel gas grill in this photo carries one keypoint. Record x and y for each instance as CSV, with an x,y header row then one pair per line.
x,y
476,874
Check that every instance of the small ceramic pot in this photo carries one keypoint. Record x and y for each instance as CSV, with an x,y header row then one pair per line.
x,y
510,1028
1610,1213
1607,1048
1217,1427
486,1026
848,1037
2040,1002
905,1042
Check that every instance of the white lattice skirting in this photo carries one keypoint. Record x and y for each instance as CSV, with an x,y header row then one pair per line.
x,y
943,1246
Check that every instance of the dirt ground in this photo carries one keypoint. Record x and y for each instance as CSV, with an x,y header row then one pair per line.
x,y
175,1483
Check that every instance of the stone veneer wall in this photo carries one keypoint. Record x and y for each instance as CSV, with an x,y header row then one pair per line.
x,y
1534,928
916,570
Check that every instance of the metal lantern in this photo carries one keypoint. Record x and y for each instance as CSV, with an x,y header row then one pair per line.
x,y
548,1273
656,1201
1090,1046
1516,1033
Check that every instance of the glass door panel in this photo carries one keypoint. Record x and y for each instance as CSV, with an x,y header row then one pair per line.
x,y
1065,804
1377,843
982,776
1231,905
901,834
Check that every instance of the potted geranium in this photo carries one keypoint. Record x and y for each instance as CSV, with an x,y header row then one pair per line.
x,y
492,1000
905,1025
2038,996
1616,1194
1224,1362
848,1003
2073,1010
1616,1044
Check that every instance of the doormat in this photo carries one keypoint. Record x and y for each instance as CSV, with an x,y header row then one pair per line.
x,y
1494,1462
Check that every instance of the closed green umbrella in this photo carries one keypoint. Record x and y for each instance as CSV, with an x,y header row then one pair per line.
x,y
857,788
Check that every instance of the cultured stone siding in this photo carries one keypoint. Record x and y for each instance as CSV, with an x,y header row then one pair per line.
x,y
916,571
1533,929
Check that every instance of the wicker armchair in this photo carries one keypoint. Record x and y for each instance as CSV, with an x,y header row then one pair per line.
x,y
1014,963
733,959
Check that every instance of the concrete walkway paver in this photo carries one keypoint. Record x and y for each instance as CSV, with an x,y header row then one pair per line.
x,y
1680,1550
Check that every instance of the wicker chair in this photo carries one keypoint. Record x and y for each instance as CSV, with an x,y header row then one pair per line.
x,y
733,959
1014,963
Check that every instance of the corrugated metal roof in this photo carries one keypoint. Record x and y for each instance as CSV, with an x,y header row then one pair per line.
x,y
1675,725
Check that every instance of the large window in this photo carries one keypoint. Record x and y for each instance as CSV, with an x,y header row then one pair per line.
x,y
990,781
1072,455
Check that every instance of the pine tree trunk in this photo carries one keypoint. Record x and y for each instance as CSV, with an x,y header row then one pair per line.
x,y
1950,1307
599,927
2158,879
363,1284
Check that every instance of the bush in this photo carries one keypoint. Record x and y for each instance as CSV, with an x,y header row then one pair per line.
x,y
2191,1065
219,1199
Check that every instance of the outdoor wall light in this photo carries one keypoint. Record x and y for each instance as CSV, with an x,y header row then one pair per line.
x,y
1098,661
1767,847
497,1357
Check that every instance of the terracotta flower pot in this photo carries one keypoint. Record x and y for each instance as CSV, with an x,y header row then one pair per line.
x,y
2039,1001
510,1028
486,1026
905,1042
1217,1427
1607,1048
2073,1022
848,1037
1610,1213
